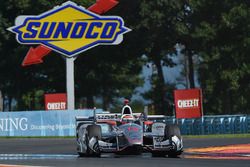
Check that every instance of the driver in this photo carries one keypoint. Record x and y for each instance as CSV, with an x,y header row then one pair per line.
x,y
127,114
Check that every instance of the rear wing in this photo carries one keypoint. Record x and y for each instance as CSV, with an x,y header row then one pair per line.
x,y
84,120
115,116
118,115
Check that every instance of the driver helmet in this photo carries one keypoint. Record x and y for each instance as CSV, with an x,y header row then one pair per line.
x,y
127,114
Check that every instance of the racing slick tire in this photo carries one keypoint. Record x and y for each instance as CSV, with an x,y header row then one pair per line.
x,y
170,131
92,131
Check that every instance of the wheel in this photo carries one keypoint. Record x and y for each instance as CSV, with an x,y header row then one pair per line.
x,y
170,131
92,131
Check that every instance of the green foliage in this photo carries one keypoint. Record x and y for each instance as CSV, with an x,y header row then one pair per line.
x,y
217,31
159,21
224,72
107,72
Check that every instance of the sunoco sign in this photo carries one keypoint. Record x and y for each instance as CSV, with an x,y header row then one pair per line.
x,y
69,29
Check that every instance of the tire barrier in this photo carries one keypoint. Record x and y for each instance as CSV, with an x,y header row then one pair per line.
x,y
221,124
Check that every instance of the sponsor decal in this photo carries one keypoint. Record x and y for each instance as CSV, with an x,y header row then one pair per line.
x,y
69,29
107,116
158,129
134,129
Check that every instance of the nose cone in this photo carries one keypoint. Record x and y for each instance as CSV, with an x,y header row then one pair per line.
x,y
133,133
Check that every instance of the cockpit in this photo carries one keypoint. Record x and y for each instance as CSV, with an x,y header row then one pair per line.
x,y
127,114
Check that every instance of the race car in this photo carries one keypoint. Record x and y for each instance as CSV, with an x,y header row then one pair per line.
x,y
126,133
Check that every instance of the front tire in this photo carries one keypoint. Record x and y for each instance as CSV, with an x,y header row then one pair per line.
x,y
169,132
172,130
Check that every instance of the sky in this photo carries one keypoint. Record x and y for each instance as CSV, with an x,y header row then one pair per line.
x,y
171,75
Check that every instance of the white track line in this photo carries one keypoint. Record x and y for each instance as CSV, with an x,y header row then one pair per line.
x,y
5,165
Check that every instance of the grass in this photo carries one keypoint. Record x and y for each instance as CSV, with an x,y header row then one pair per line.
x,y
217,136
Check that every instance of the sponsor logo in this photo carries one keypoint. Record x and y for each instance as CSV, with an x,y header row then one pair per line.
x,y
134,129
69,29
100,116
56,106
188,103
11,124
159,127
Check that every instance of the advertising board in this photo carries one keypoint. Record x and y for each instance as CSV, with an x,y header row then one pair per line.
x,y
69,29
56,101
188,103
41,123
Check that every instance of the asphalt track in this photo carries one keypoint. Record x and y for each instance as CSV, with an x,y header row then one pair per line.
x,y
61,152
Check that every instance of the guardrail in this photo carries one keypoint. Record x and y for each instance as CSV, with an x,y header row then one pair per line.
x,y
221,124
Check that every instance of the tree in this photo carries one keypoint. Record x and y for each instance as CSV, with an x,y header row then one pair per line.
x,y
221,32
107,72
158,22
15,80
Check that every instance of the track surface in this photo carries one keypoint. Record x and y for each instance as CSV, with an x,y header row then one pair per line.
x,y
61,152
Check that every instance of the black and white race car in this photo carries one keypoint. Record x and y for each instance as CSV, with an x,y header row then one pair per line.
x,y
126,133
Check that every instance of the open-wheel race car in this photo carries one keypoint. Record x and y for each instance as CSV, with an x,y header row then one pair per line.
x,y
126,133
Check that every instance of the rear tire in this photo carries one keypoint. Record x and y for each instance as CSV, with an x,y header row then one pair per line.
x,y
92,131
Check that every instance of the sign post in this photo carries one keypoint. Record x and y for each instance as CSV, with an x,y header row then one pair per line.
x,y
70,83
69,29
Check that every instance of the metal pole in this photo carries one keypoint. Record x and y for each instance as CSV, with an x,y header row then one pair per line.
x,y
70,83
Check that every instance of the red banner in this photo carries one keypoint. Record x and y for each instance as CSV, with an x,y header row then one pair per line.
x,y
57,101
188,103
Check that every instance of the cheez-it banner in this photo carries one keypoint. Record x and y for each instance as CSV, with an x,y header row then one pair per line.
x,y
56,101
188,103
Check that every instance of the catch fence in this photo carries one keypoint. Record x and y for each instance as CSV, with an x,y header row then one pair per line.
x,y
220,124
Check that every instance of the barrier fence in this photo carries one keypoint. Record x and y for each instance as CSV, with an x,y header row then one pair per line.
x,y
221,124
40,123
62,123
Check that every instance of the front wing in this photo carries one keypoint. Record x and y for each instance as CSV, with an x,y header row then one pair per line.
x,y
159,144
